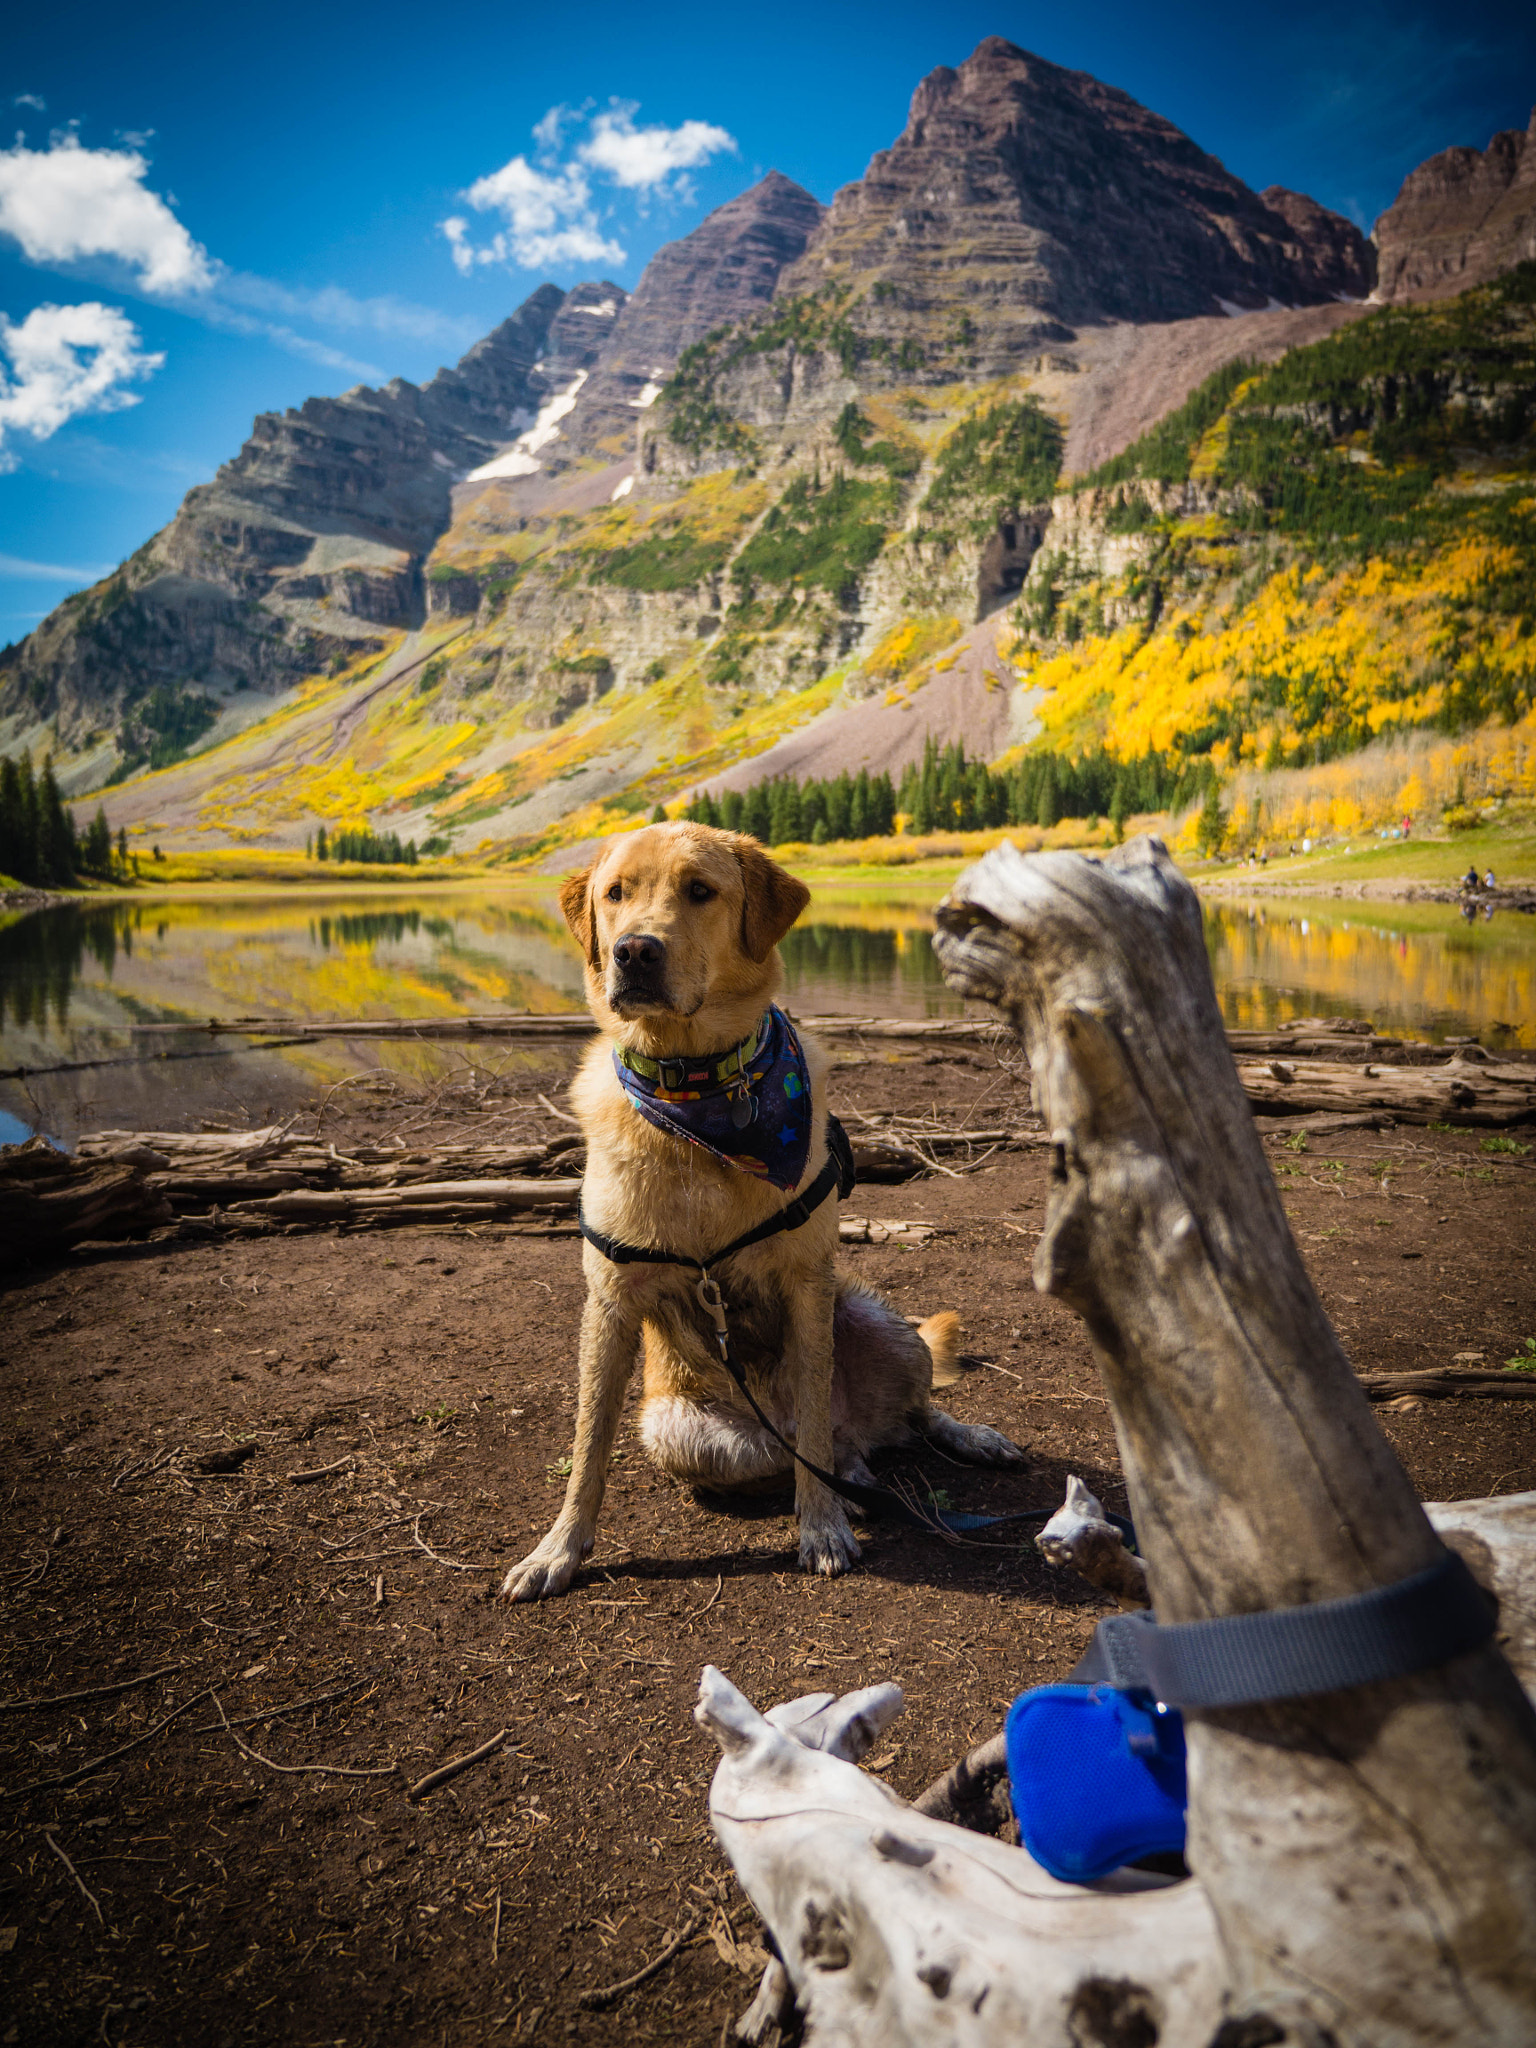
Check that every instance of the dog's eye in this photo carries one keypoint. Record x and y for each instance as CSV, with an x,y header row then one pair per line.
x,y
699,892
616,893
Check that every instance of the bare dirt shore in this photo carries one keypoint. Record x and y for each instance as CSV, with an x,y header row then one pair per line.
x,y
214,1892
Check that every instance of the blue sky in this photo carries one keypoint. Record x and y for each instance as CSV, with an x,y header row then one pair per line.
x,y
253,205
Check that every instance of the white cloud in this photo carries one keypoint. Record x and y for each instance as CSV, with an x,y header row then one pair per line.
x,y
67,202
53,572
551,220
549,217
641,159
67,360
30,99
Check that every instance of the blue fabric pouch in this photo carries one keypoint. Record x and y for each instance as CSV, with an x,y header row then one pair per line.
x,y
1097,1777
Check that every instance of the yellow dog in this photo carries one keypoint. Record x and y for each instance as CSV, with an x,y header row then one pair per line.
x,y
680,926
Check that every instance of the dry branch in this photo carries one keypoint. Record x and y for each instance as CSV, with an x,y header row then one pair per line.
x,y
302,1770
88,1896
594,2001
91,1692
112,1755
452,1768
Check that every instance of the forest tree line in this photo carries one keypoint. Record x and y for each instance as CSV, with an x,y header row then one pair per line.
x,y
40,844
947,793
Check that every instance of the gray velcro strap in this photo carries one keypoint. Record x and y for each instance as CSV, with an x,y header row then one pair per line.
x,y
1245,1659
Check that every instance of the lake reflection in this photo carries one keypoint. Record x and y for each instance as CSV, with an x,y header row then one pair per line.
x,y
75,982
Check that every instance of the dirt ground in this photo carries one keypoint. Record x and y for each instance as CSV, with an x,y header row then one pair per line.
x,y
217,1893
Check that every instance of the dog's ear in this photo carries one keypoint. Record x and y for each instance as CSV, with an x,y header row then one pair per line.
x,y
771,900
576,902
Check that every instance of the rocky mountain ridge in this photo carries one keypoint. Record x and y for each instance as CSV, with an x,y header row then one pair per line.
x,y
651,531
1461,218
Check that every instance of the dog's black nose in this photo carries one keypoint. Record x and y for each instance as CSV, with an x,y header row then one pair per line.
x,y
639,952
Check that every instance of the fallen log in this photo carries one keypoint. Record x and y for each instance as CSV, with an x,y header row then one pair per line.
x,y
48,1202
1364,1861
1446,1384
1459,1090
485,1196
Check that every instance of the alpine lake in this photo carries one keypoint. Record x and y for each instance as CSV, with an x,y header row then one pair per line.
x,y
79,985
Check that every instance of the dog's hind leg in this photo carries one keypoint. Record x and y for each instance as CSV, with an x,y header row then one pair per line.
x,y
708,1443
972,1441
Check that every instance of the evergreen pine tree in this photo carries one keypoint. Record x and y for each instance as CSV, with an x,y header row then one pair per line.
x,y
14,852
839,804
1045,800
658,816
1212,828
321,850
858,807
55,832
1117,809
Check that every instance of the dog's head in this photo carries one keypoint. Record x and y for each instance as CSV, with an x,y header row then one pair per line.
x,y
679,924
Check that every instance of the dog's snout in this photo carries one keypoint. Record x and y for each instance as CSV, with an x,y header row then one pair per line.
x,y
639,952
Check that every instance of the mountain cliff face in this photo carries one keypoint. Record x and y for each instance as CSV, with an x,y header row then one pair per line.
x,y
1031,200
725,271
804,489
305,545
1461,218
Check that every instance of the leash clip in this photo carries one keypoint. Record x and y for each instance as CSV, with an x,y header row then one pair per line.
x,y
710,1300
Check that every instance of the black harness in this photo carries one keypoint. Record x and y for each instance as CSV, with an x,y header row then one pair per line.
x,y
838,1172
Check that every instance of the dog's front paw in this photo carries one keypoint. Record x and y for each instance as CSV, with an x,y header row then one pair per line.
x,y
828,1546
546,1571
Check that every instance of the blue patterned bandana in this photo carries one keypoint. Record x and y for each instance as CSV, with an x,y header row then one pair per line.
x,y
750,1107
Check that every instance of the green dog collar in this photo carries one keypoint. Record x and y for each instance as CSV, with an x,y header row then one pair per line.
x,y
679,1070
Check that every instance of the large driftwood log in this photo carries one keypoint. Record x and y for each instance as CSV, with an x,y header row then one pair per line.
x,y
1358,1849
48,1203
1365,1861
1458,1090
897,1926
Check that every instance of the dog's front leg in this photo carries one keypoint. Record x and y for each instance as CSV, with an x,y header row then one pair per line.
x,y
827,1543
610,1338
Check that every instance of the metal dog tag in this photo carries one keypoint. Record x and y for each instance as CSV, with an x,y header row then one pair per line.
x,y
743,1110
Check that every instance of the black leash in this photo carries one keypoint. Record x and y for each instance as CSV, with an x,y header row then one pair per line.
x,y
874,1500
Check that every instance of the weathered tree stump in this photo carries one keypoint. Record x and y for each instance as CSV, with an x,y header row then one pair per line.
x,y
1367,1858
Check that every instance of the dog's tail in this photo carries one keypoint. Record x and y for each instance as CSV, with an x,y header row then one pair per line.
x,y
941,1333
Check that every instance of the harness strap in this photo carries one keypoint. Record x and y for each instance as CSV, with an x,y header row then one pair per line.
x,y
1242,1660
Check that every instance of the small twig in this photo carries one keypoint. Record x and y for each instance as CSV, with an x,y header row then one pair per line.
x,y
496,1933
88,1896
694,1613
86,1770
378,1591
593,2001
563,1114
144,1468
91,1692
452,1563
298,1770
315,1699
321,1471
350,1542
36,1575
1002,1369
452,1768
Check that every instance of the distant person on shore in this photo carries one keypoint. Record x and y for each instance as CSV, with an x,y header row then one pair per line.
x,y
1469,879
1488,881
